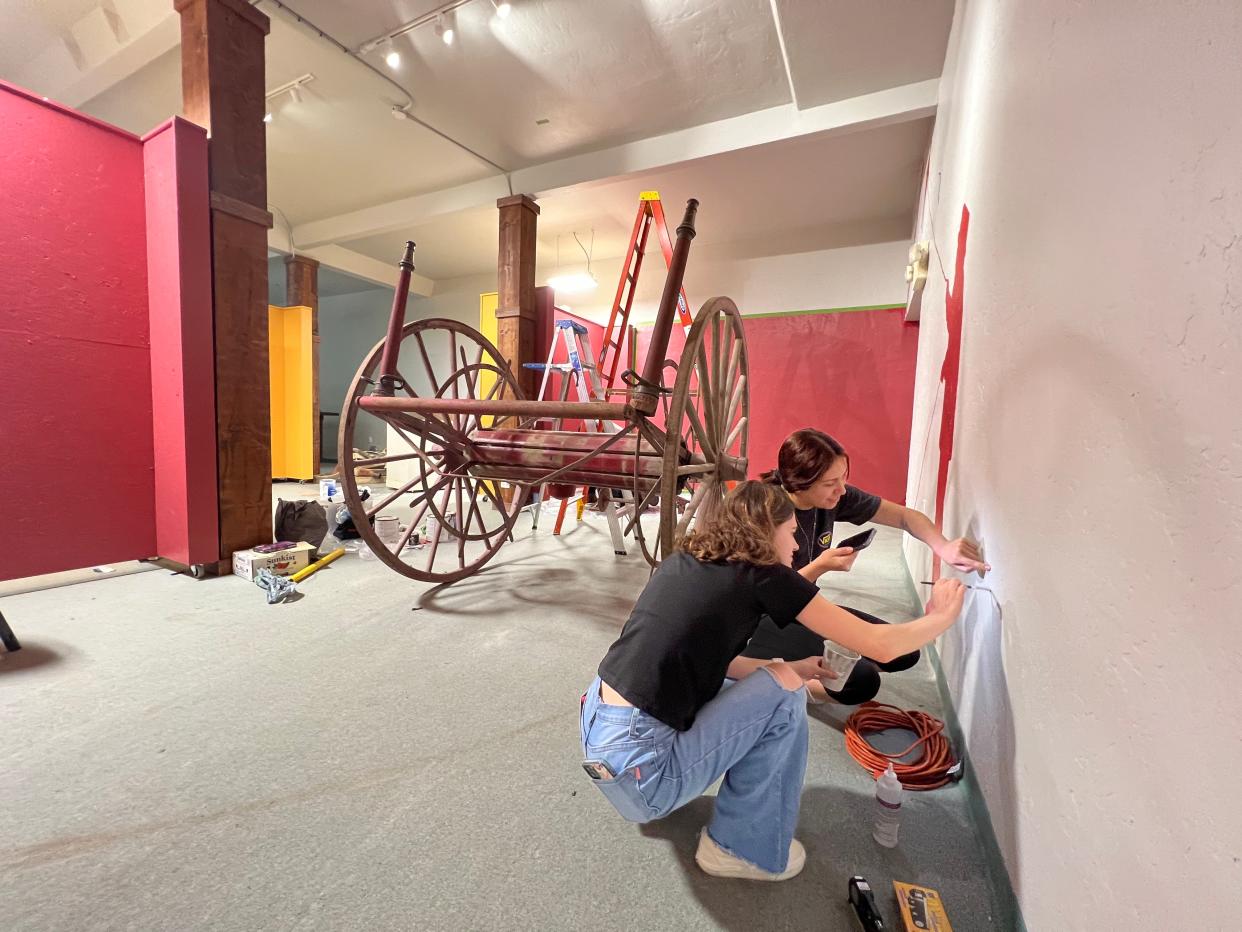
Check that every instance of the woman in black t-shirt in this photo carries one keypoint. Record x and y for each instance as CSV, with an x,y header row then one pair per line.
x,y
812,468
657,726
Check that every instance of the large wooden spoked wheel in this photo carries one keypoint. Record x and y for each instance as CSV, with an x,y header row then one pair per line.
x,y
706,427
471,520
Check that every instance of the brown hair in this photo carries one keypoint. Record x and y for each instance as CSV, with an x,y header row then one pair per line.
x,y
742,531
805,455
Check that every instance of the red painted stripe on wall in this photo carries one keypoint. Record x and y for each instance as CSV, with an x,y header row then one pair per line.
x,y
954,297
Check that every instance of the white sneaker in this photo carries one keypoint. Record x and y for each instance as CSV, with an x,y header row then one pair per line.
x,y
714,860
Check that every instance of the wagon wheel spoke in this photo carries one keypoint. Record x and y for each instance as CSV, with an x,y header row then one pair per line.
x,y
735,433
702,438
431,370
420,450
695,501
461,521
705,389
735,404
718,365
435,537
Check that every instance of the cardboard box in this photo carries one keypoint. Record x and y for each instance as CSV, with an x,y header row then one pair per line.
x,y
247,563
921,908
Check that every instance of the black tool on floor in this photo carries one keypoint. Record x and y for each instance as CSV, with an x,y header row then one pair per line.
x,y
863,901
7,637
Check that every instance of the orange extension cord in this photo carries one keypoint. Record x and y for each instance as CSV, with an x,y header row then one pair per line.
x,y
934,769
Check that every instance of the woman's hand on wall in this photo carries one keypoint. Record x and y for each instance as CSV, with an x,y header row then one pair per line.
x,y
963,555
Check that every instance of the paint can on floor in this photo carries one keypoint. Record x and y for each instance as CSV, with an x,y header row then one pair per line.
x,y
388,529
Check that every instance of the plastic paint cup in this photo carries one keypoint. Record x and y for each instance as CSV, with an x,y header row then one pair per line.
x,y
840,663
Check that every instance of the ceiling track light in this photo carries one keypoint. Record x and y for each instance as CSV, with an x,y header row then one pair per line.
x,y
439,16
444,30
392,58
292,88
503,8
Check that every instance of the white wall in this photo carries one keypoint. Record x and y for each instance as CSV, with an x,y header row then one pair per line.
x,y
1098,454
851,277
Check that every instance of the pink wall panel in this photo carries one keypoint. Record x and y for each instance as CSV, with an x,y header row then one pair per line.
x,y
850,374
182,348
74,370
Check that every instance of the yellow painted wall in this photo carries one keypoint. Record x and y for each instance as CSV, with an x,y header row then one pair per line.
x,y
289,356
488,302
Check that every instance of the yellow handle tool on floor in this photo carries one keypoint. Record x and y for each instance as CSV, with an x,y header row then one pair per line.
x,y
317,565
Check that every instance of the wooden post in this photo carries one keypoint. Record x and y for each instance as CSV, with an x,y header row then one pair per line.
x,y
302,290
516,322
222,82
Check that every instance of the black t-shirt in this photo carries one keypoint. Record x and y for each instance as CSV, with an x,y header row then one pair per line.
x,y
814,531
690,622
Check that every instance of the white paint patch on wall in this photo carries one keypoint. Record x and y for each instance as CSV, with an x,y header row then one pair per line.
x,y
1098,454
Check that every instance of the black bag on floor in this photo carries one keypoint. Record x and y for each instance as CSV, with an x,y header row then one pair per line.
x,y
303,520
345,529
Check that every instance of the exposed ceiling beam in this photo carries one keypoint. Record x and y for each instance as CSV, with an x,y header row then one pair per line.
x,y
895,105
101,49
780,38
366,268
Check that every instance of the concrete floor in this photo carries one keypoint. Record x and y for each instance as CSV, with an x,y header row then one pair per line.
x,y
383,755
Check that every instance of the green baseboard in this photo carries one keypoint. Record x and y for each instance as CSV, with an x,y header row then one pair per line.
x,y
1005,905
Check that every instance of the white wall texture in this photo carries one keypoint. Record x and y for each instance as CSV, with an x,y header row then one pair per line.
x,y
1098,451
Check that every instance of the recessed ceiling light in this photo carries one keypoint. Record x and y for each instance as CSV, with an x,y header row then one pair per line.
x,y
503,8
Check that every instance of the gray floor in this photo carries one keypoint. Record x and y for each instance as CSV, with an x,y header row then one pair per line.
x,y
378,755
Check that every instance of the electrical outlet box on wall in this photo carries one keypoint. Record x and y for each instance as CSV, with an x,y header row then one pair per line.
x,y
916,278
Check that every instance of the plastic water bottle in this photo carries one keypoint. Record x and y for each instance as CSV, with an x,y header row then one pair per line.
x,y
888,808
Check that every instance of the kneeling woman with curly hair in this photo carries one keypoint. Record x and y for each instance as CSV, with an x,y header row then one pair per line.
x,y
674,706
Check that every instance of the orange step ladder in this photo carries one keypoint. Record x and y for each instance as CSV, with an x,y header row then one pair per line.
x,y
650,214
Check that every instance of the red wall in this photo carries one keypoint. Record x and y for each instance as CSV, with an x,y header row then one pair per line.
x,y
850,374
183,378
76,428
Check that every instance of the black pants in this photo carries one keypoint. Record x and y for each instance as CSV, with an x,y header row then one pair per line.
x,y
796,642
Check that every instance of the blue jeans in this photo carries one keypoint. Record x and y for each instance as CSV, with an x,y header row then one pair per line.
x,y
753,732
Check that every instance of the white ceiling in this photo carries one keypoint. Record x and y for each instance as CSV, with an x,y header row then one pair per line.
x,y
807,194
29,26
603,73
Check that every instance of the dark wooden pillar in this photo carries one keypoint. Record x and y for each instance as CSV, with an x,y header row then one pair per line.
x,y
516,322
302,290
222,82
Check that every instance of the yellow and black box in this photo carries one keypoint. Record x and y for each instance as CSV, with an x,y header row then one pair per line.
x,y
922,910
